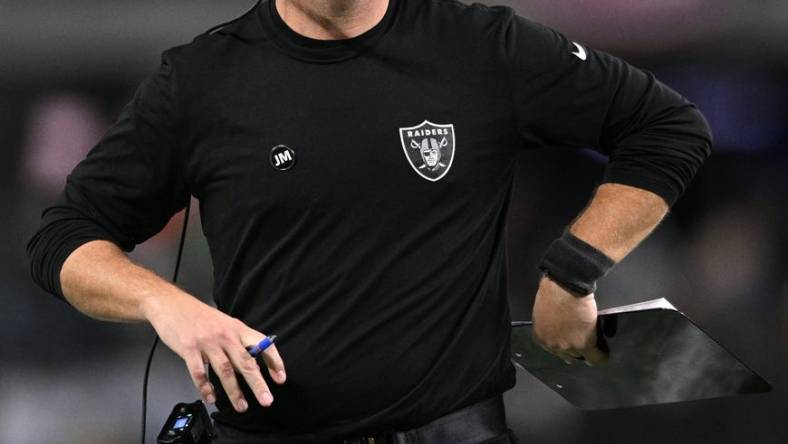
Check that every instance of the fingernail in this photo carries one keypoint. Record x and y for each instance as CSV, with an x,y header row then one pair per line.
x,y
281,375
210,399
268,399
242,405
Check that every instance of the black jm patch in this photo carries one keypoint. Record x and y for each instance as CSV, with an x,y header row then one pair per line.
x,y
282,157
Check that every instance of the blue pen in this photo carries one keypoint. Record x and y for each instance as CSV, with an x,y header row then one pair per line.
x,y
255,350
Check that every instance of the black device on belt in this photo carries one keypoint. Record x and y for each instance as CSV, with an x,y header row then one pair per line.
x,y
187,424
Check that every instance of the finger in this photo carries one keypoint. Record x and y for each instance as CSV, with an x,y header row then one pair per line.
x,y
595,356
558,353
224,369
568,359
544,347
573,353
196,366
273,360
250,370
276,366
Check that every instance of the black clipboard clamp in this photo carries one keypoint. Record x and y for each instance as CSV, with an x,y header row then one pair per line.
x,y
657,356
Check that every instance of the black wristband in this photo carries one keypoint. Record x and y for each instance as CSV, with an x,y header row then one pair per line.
x,y
574,264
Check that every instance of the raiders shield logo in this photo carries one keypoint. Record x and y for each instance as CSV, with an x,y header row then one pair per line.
x,y
429,148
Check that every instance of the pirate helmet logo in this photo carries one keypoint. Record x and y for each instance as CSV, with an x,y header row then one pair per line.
x,y
429,148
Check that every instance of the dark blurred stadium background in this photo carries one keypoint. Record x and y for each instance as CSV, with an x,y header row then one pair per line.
x,y
67,67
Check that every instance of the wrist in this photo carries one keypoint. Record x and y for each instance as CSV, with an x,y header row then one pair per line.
x,y
575,265
154,303
149,305
552,285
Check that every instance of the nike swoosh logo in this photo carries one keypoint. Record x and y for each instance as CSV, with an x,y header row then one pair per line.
x,y
581,53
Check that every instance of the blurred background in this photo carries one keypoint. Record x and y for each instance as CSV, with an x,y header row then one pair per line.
x,y
66,69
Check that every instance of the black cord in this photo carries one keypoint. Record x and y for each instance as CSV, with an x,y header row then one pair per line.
x,y
177,264
145,386
156,339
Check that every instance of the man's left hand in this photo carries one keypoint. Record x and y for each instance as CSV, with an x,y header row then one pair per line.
x,y
565,324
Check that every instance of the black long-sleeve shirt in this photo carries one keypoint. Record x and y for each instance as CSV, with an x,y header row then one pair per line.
x,y
374,246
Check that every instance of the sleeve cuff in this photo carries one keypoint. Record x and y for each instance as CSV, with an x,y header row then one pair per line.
x,y
53,244
648,182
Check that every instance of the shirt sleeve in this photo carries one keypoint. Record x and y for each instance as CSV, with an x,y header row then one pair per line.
x,y
567,94
125,190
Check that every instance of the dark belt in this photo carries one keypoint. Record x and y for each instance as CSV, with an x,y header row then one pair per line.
x,y
472,424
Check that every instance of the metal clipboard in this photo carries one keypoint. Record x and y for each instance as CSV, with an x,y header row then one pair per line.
x,y
658,355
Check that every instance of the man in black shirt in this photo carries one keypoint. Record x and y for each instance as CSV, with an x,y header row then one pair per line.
x,y
353,161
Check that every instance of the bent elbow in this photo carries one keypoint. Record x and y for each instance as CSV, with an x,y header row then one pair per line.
x,y
61,232
699,125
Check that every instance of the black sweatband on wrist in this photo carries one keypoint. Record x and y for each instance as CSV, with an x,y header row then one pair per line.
x,y
574,264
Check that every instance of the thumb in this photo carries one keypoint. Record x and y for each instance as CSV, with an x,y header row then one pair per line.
x,y
595,356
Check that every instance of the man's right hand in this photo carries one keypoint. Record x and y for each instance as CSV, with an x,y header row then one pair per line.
x,y
99,280
201,334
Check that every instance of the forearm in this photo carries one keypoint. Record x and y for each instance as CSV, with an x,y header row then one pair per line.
x,y
99,280
618,218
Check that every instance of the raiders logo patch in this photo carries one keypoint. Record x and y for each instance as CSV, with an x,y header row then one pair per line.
x,y
429,148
